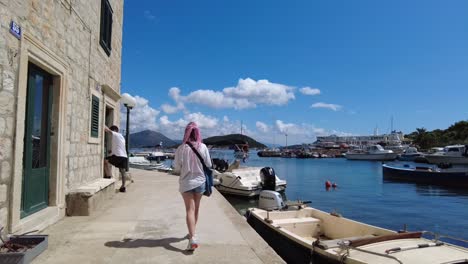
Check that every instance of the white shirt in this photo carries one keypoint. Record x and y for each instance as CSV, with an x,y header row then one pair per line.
x,y
188,164
118,145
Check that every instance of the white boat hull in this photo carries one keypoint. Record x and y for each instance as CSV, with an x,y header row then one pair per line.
x,y
312,236
246,191
245,181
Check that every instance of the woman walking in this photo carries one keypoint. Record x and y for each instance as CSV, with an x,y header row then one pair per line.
x,y
192,178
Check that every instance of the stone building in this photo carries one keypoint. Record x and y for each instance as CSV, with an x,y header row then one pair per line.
x,y
60,66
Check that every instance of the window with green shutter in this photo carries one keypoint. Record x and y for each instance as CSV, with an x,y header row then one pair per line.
x,y
105,36
95,117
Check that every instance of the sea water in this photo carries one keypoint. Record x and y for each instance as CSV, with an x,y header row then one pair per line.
x,y
363,195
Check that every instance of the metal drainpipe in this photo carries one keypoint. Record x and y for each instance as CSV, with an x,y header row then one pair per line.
x,y
127,134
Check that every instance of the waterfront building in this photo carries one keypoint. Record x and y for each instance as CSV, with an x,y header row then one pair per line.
x,y
60,67
392,139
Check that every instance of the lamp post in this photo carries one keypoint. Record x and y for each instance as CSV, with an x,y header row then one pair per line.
x,y
129,102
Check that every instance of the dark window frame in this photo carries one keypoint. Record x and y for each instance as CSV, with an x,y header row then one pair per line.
x,y
94,126
105,36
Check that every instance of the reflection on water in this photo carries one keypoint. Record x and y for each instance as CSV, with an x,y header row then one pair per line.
x,y
432,190
429,189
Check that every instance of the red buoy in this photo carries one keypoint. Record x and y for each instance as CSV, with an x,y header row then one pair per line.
x,y
328,184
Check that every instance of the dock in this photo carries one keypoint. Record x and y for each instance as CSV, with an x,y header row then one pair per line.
x,y
147,225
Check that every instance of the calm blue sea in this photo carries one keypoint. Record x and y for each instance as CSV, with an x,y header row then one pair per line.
x,y
362,194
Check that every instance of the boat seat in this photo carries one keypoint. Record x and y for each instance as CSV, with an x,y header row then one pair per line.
x,y
295,220
327,244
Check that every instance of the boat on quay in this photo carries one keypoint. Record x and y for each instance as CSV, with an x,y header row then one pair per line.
x,y
455,154
442,174
373,152
301,234
245,181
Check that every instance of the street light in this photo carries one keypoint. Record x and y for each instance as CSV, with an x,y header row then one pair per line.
x,y
129,102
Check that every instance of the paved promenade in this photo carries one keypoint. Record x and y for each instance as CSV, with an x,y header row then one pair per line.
x,y
147,225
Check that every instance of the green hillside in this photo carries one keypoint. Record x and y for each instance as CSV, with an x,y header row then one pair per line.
x,y
455,134
229,140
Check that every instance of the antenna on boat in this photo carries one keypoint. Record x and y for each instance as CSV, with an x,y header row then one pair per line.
x,y
391,124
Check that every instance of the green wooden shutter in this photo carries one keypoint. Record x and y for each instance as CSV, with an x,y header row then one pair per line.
x,y
105,36
95,117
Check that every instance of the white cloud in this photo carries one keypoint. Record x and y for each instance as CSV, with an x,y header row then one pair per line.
x,y
142,116
309,91
217,99
247,93
202,120
262,127
333,107
174,93
261,91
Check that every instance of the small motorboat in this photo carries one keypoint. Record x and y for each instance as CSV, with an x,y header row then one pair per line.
x,y
307,235
157,156
143,164
410,154
441,174
246,181
455,154
374,152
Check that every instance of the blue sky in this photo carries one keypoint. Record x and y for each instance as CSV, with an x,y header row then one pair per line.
x,y
304,68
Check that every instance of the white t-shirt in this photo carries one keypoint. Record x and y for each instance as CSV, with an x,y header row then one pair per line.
x,y
118,145
188,164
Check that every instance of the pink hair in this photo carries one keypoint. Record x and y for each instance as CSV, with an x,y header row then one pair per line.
x,y
192,128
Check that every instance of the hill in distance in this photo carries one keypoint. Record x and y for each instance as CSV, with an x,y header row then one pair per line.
x,y
150,139
229,140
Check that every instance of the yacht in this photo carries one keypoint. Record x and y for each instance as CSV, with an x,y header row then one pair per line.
x,y
455,154
374,152
244,181
410,154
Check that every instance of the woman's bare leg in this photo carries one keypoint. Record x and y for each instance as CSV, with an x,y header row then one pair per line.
x,y
197,198
189,201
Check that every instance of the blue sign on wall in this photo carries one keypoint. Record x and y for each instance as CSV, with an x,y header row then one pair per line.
x,y
15,29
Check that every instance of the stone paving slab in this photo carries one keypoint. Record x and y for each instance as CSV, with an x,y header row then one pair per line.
x,y
147,225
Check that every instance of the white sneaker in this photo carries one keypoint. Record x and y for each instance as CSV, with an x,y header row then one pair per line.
x,y
192,244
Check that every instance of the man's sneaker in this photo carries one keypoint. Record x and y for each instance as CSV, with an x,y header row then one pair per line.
x,y
122,189
192,244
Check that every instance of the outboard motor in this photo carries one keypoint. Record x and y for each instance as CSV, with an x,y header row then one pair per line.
x,y
268,178
270,200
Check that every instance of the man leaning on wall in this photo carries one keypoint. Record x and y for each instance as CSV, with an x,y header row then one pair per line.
x,y
118,157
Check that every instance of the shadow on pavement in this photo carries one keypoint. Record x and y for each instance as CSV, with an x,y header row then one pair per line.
x,y
137,243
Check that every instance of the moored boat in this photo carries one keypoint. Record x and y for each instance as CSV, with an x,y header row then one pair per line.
x,y
443,174
143,163
269,153
245,181
455,154
374,152
410,154
309,235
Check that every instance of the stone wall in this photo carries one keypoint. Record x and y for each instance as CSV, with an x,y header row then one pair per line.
x,y
70,29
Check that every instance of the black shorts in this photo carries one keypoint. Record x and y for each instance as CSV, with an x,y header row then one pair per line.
x,y
119,162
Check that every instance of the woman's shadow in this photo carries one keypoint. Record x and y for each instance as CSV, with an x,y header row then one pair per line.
x,y
137,243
